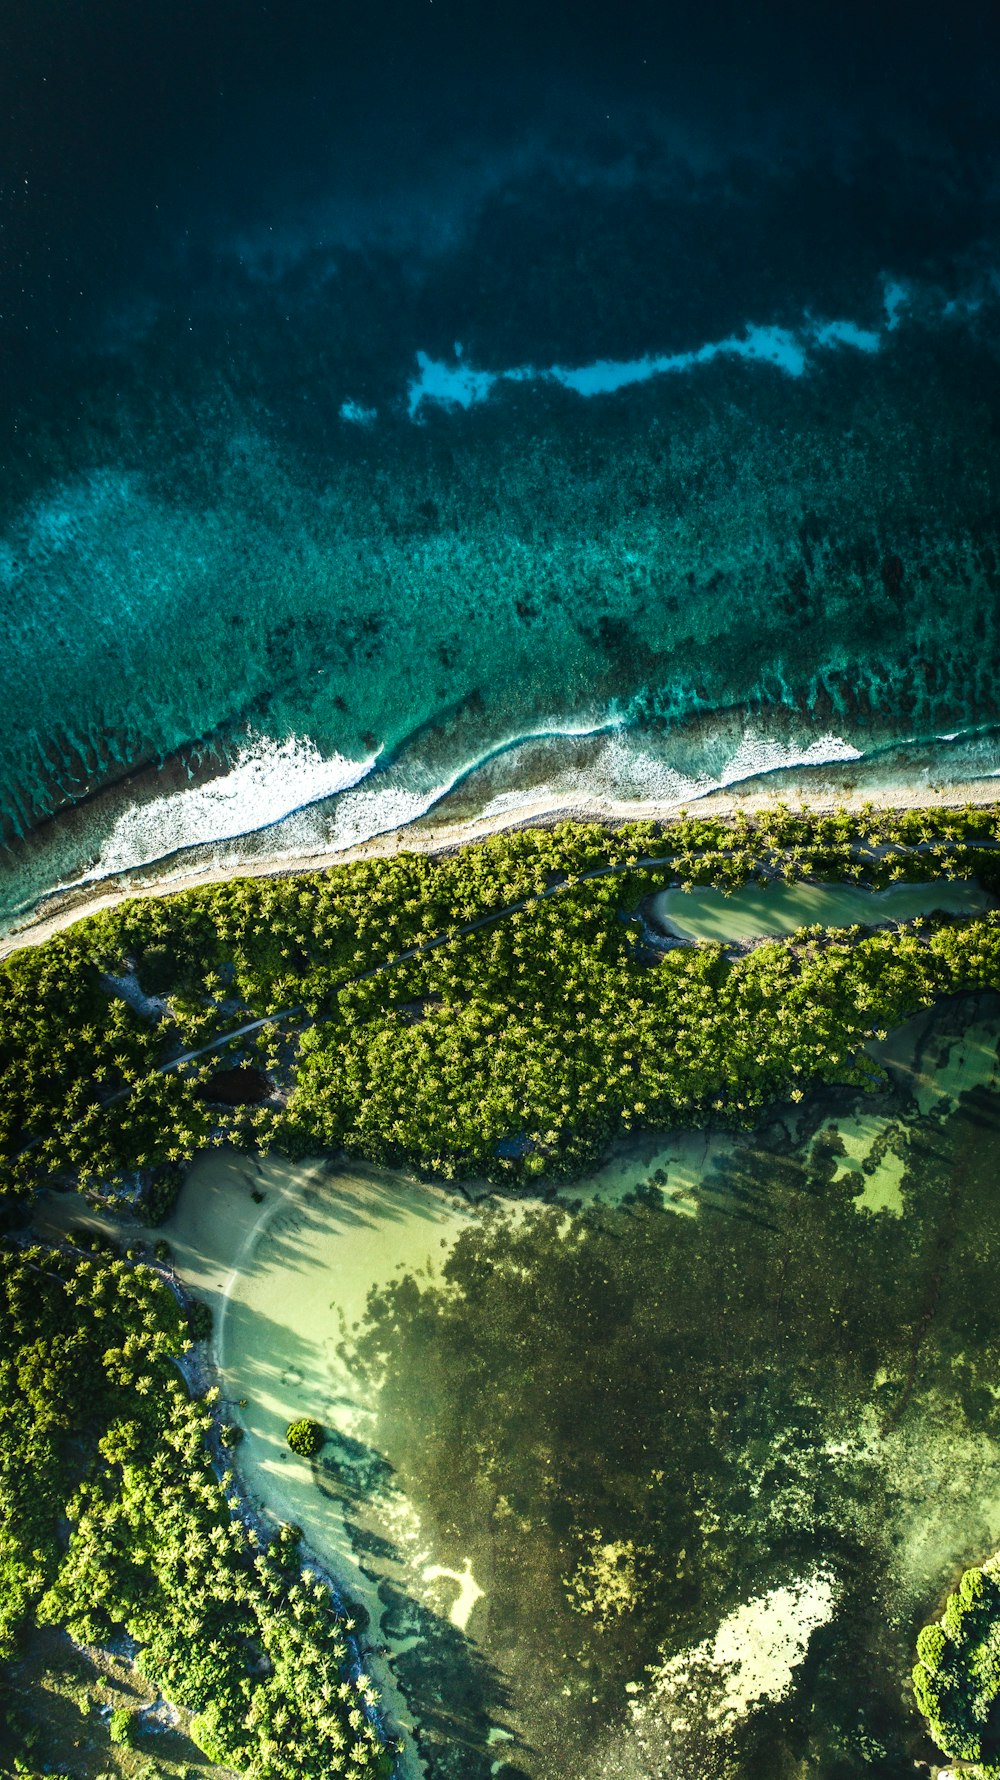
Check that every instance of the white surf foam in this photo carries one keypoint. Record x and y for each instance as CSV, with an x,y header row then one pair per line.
x,y
762,754
329,805
459,385
384,803
624,772
267,781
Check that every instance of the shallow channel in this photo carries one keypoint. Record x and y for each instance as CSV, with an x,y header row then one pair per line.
x,y
759,911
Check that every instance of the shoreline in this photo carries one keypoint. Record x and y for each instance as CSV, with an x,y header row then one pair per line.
x,y
214,1235
432,838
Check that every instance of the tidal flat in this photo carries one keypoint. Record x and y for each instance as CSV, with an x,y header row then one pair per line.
x,y
625,1492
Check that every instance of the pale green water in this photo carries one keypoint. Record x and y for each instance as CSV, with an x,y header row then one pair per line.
x,y
756,911
287,1279
871,1162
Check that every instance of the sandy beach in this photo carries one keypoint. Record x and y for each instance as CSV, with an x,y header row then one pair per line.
x,y
427,836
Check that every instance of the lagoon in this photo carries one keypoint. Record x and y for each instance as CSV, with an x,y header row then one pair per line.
x,y
573,1441
762,911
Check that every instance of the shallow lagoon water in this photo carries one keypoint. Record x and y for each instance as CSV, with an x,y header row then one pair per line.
x,y
756,911
575,1446
286,1255
871,1160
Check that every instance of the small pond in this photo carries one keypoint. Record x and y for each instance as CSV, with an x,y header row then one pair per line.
x,y
757,911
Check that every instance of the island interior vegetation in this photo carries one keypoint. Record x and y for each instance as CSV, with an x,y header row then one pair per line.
x,y
956,1680
499,1013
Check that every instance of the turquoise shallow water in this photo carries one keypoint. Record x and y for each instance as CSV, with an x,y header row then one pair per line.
x,y
619,458
690,570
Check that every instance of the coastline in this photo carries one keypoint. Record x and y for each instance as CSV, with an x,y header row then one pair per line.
x,y
171,876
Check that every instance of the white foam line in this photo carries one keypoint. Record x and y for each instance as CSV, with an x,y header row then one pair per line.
x,y
377,808
459,385
267,781
624,773
764,755
270,781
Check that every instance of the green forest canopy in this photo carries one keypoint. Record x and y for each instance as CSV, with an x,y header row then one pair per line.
x,y
510,1051
97,1433
513,1050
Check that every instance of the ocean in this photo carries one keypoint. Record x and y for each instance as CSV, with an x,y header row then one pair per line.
x,y
471,410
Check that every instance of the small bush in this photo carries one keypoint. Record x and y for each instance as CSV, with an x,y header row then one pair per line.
x,y
956,1681
305,1437
231,1434
122,1726
200,1320
161,1194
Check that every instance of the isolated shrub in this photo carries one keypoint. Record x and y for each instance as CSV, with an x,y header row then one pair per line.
x,y
305,1437
122,1726
956,1681
200,1319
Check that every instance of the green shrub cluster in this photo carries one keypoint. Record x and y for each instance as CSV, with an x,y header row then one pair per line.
x,y
956,1680
305,1437
200,1320
542,1027
122,1726
112,1519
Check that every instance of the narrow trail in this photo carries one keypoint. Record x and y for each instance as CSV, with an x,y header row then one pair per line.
x,y
859,854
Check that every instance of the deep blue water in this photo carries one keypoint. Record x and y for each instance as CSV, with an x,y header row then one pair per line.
x,y
381,388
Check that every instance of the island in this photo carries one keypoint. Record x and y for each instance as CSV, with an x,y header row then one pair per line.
x,y
456,1318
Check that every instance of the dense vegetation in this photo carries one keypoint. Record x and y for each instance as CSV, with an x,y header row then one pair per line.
x,y
957,1677
510,1050
113,1520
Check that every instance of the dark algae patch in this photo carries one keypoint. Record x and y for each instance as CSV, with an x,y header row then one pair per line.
x,y
638,1425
